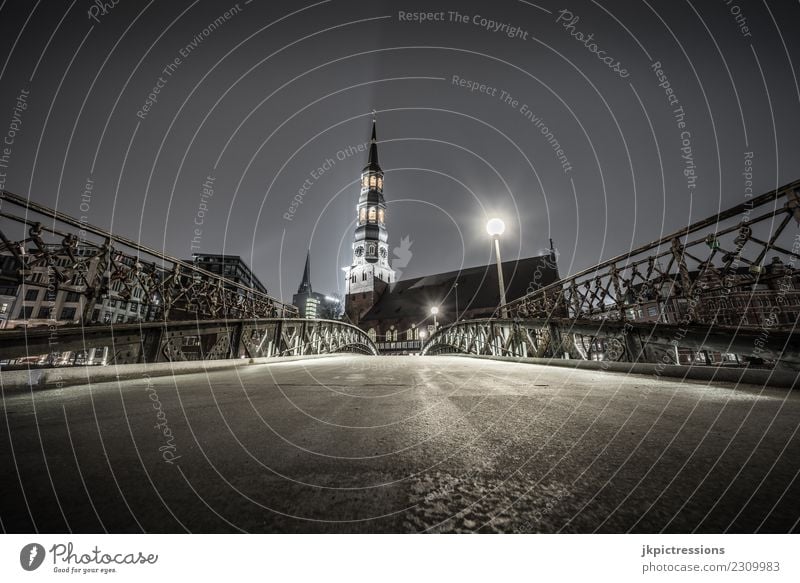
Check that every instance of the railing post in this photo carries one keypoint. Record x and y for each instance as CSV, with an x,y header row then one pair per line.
x,y
278,335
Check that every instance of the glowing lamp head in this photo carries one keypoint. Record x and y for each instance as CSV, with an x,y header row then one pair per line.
x,y
434,310
495,227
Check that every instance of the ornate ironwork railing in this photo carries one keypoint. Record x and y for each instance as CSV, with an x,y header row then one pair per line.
x,y
730,269
178,341
609,340
60,253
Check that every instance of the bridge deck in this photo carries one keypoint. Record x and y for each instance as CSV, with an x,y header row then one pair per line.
x,y
401,444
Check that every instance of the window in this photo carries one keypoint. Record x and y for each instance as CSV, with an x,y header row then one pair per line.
x,y
133,307
362,214
31,295
112,303
44,313
26,313
3,308
67,314
373,181
365,182
73,297
120,318
107,318
652,311
371,334
380,183
381,215
372,213
364,276
96,316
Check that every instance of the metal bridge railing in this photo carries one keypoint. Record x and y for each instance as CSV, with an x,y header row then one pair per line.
x,y
729,283
57,252
714,271
178,341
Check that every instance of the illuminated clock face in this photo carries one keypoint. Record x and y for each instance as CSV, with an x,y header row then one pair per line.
x,y
359,251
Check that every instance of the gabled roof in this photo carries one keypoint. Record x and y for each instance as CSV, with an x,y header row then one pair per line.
x,y
477,289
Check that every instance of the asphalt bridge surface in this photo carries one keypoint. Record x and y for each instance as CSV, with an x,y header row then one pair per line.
x,y
401,444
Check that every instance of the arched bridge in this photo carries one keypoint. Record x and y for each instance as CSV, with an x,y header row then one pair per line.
x,y
166,309
729,283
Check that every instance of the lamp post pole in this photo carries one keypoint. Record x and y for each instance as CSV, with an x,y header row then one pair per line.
x,y
455,286
495,228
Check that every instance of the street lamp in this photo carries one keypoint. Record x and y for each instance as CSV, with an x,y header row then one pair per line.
x,y
495,227
434,311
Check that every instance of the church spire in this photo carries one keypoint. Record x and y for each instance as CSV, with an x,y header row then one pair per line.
x,y
372,161
305,285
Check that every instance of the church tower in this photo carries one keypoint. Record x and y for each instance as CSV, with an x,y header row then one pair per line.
x,y
369,274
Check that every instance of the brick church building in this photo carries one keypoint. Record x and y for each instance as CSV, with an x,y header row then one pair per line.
x,y
398,314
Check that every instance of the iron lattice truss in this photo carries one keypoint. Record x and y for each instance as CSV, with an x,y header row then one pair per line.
x,y
180,341
644,342
99,265
695,275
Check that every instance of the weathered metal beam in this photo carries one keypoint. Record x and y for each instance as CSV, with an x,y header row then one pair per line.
x,y
157,341
778,344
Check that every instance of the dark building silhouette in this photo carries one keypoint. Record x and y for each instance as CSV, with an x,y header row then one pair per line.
x,y
231,267
309,303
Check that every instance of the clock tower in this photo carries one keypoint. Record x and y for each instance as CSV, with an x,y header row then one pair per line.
x,y
369,274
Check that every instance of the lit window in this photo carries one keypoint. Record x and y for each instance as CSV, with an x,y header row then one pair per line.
x,y
380,183
381,215
362,214
372,214
373,181
365,182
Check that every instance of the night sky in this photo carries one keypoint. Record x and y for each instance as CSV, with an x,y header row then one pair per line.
x,y
571,137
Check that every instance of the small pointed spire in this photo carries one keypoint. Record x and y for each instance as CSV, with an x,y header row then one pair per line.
x,y
305,285
372,161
